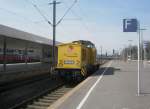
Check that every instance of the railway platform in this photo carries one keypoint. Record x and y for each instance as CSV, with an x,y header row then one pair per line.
x,y
113,86
20,71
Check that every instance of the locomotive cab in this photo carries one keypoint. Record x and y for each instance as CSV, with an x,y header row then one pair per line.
x,y
76,59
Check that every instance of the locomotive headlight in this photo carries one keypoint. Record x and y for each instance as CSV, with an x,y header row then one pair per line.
x,y
60,64
78,62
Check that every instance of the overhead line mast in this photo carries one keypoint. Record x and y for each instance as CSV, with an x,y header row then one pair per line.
x,y
54,3
54,24
54,31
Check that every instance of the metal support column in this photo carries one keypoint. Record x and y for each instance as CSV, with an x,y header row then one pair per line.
x,y
101,54
26,55
4,54
54,31
139,60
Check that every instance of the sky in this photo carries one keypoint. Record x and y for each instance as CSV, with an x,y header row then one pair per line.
x,y
99,21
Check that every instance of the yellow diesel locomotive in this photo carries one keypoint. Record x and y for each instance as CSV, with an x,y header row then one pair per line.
x,y
76,60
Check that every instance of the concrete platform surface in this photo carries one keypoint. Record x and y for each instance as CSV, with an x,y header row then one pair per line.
x,y
114,86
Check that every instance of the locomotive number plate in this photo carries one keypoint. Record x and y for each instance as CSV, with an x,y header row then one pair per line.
x,y
68,62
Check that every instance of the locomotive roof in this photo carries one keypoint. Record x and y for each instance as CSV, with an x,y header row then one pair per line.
x,y
18,34
84,42
81,42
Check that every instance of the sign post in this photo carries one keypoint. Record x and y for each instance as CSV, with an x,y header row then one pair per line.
x,y
139,62
132,25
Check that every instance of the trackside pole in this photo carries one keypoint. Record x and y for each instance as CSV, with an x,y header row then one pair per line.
x,y
139,61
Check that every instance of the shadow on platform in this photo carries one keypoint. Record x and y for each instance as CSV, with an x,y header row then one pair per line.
x,y
109,71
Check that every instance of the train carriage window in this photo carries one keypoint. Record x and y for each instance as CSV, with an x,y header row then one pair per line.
x,y
0,50
88,46
9,51
31,51
20,51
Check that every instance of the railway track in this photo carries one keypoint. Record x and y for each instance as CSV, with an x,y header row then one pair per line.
x,y
45,99
38,93
15,94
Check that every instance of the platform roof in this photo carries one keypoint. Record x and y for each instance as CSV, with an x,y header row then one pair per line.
x,y
18,34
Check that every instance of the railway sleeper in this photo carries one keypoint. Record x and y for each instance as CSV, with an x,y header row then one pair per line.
x,y
41,103
50,98
45,100
35,107
53,95
58,93
63,90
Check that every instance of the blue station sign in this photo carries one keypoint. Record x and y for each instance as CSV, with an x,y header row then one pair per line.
x,y
130,25
145,44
